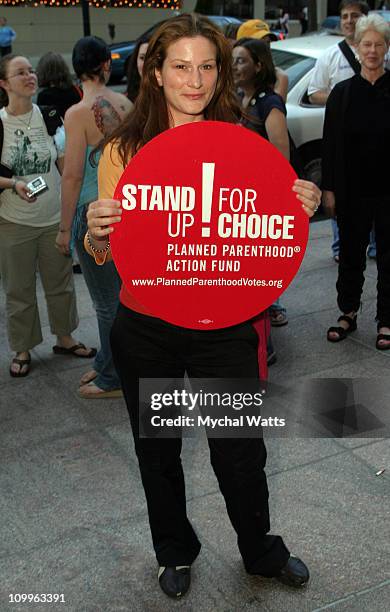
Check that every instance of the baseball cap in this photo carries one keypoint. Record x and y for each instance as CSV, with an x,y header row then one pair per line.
x,y
254,28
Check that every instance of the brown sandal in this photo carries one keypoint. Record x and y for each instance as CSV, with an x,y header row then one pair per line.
x,y
61,350
88,377
21,363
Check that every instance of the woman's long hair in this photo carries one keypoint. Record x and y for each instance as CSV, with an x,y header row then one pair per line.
x,y
260,52
133,76
52,71
150,114
3,76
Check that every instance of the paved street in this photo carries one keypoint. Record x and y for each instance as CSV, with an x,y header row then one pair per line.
x,y
72,512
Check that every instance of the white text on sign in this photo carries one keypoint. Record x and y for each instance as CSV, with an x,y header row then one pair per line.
x,y
237,212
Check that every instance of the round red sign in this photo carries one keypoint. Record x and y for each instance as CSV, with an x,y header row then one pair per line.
x,y
211,233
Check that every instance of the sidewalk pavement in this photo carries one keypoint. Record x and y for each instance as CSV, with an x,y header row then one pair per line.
x,y
73,518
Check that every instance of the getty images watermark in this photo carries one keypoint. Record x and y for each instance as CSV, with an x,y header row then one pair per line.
x,y
249,408
206,400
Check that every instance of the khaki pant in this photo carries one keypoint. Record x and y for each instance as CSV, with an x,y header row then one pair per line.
x,y
23,251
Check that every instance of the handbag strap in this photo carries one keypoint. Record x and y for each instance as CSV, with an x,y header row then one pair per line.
x,y
349,56
4,170
52,118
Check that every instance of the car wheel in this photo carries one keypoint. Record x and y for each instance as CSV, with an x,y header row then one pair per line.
x,y
310,155
312,171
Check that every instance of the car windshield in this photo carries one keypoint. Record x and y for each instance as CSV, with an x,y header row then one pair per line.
x,y
295,65
384,14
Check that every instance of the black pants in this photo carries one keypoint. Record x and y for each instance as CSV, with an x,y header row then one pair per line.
x,y
355,221
145,347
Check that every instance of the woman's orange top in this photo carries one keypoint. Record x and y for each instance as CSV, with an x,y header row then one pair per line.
x,y
109,172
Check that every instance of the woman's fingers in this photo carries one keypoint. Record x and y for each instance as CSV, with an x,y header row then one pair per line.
x,y
307,190
308,210
100,231
95,209
62,249
309,194
103,212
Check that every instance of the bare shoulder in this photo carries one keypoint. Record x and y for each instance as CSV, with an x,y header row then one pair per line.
x,y
75,112
123,103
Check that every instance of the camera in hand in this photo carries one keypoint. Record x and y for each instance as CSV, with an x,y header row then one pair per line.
x,y
36,187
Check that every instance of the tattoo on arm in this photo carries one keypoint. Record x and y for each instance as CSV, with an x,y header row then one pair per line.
x,y
106,117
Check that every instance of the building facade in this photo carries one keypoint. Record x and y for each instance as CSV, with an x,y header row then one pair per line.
x,y
46,28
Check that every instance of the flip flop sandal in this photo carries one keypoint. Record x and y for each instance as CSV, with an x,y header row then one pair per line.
x,y
382,347
88,377
278,319
61,350
92,391
20,363
342,333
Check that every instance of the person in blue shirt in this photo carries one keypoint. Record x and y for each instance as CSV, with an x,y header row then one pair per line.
x,y
7,35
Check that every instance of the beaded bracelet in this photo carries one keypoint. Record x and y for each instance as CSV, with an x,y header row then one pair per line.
x,y
14,181
97,251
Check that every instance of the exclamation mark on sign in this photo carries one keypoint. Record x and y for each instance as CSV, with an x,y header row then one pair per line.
x,y
207,196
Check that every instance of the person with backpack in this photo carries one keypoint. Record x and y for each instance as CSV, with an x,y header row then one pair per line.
x,y
56,84
338,62
28,227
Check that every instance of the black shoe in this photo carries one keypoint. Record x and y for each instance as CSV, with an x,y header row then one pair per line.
x,y
341,332
175,581
77,269
294,573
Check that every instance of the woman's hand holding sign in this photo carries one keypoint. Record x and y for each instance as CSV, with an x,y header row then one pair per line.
x,y
309,194
101,215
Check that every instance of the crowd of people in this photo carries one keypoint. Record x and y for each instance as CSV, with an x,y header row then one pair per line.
x,y
88,111
102,130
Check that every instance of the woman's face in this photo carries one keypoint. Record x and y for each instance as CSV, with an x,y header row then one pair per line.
x,y
372,50
188,77
141,57
244,68
21,80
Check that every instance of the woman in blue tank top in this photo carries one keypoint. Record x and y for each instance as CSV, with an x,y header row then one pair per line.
x,y
86,124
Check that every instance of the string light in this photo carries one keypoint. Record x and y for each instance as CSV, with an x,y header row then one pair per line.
x,y
165,4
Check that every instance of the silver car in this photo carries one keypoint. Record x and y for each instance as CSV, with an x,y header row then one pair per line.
x,y
297,57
